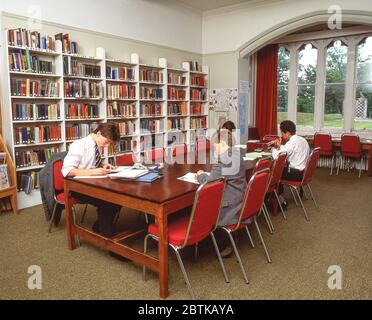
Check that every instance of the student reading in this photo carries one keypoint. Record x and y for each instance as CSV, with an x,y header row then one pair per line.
x,y
297,149
84,159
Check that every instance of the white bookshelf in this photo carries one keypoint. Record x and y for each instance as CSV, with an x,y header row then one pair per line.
x,y
98,58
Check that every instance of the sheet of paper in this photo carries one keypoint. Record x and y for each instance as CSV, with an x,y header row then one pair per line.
x,y
90,177
120,168
128,174
189,177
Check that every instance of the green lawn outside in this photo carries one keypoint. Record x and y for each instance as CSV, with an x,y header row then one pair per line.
x,y
330,120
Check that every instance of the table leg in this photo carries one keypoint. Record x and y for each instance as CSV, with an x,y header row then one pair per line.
x,y
162,222
69,219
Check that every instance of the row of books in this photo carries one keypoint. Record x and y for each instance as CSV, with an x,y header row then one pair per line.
x,y
124,145
73,67
119,110
120,73
33,111
177,108
176,94
32,39
153,126
151,93
79,88
81,130
37,134
176,124
198,94
121,91
198,123
176,78
67,45
127,128
194,66
196,109
23,61
81,111
28,182
198,80
151,75
151,109
31,158
34,88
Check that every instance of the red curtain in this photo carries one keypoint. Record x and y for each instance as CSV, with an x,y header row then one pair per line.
x,y
266,90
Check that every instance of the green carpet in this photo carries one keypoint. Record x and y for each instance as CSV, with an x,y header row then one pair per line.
x,y
341,234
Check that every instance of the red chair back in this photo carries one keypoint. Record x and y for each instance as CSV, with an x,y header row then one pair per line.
x,y
264,163
324,142
254,195
125,159
203,145
156,155
350,145
311,166
270,137
205,212
58,180
179,150
277,169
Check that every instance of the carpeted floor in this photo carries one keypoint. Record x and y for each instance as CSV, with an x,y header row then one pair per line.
x,y
341,234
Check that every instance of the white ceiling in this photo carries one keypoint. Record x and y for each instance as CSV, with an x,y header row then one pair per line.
x,y
204,5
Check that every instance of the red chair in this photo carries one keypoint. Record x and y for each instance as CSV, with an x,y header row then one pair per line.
x,y
59,195
323,141
125,159
264,163
308,175
270,137
277,172
251,207
191,229
351,149
156,155
203,145
179,150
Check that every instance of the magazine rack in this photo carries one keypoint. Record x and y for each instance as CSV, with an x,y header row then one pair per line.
x,y
12,191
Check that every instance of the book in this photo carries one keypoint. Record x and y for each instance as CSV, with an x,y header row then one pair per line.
x,y
150,177
129,174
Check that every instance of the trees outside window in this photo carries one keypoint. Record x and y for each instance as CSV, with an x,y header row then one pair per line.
x,y
283,80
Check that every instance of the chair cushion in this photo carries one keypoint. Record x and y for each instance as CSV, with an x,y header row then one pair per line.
x,y
61,199
292,183
177,232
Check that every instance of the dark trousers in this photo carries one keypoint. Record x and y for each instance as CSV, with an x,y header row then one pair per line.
x,y
106,213
292,175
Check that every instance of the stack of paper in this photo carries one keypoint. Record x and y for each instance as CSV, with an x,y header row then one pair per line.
x,y
189,177
128,174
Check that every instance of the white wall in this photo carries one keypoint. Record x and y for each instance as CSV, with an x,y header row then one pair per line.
x,y
158,22
229,29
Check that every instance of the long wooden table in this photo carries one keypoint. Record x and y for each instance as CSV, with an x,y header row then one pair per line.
x,y
365,143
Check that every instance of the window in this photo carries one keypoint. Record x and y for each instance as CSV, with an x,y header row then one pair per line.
x,y
363,94
306,79
283,79
336,63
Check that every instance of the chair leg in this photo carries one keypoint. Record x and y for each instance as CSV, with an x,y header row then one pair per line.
x,y
219,257
249,236
52,218
332,161
339,164
302,205
361,165
294,197
183,270
280,205
312,197
268,217
84,213
267,220
305,194
196,249
237,256
262,240
145,251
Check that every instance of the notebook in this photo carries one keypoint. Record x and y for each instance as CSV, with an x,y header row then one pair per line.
x,y
130,174
150,177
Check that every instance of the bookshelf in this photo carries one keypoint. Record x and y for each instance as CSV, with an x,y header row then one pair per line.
x,y
148,102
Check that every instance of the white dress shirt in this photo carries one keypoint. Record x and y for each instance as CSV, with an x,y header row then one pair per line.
x,y
298,151
81,155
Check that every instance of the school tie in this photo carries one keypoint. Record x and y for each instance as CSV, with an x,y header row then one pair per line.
x,y
98,158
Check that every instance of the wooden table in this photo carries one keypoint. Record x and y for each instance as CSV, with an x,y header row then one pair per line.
x,y
365,143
